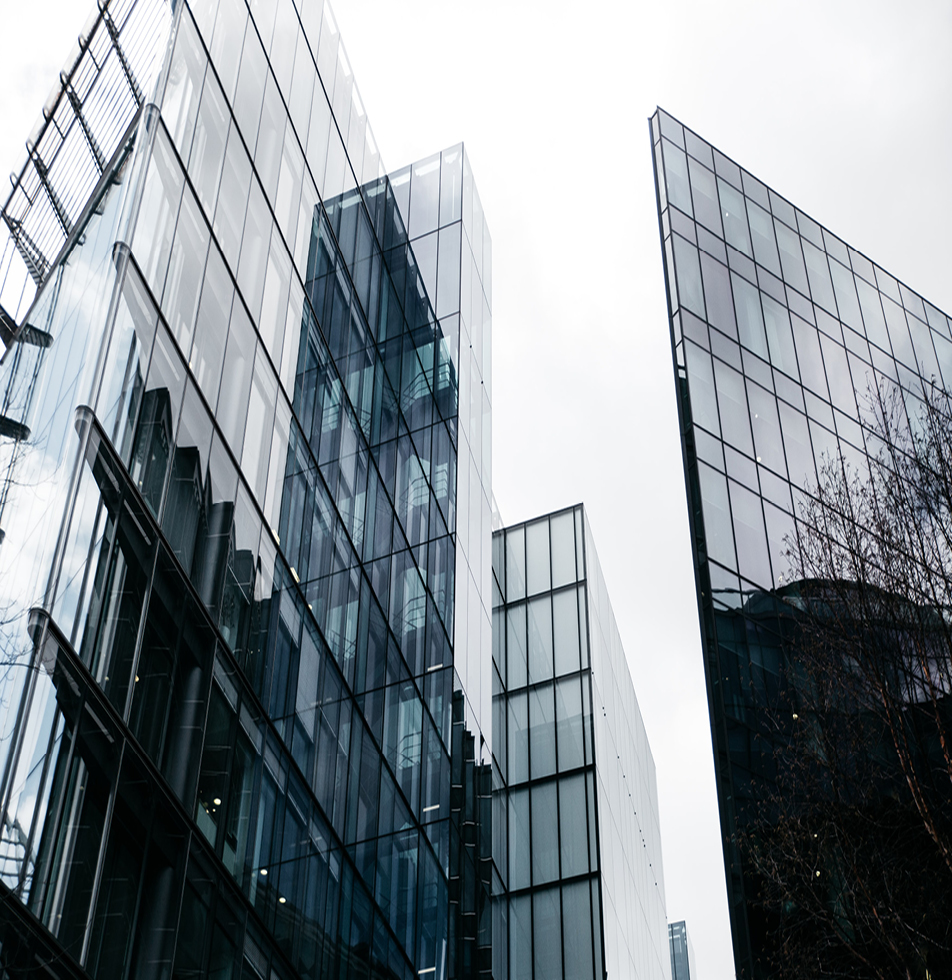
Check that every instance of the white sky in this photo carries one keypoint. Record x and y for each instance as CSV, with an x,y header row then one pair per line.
x,y
842,107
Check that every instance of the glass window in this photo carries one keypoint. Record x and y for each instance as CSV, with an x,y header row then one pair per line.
x,y
537,557
227,42
542,731
872,314
289,186
676,173
701,384
808,356
735,218
447,291
520,937
183,509
573,825
127,361
717,515
518,754
766,426
286,30
577,923
690,291
796,441
257,440
838,376
791,258
318,132
821,287
274,303
540,639
845,290
750,535
186,267
250,91
516,646
157,420
425,197
732,402
208,146
565,618
211,327
302,88
515,564
519,842
180,102
233,198
270,142
750,320
563,549
761,230
451,177
568,706
547,933
255,244
704,187
779,337
545,834
717,292
239,361
155,225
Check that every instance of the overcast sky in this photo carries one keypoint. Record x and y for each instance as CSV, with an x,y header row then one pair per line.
x,y
842,107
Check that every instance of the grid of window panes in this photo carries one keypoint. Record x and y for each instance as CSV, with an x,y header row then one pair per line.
x,y
782,334
253,593
562,807
450,238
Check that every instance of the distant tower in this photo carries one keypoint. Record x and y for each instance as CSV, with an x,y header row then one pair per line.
x,y
682,952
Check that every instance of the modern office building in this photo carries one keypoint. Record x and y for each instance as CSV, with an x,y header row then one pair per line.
x,y
779,331
682,952
576,838
245,506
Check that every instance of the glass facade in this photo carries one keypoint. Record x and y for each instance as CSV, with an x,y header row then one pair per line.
x,y
779,332
244,579
578,884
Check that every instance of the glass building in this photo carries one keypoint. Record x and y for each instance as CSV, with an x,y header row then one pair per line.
x,y
245,512
778,330
576,839
682,952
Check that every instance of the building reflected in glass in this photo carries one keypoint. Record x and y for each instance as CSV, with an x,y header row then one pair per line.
x,y
780,332
576,839
246,524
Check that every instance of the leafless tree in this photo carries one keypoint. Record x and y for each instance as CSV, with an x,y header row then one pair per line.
x,y
852,843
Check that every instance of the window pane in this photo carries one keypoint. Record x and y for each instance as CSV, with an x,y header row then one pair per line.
x,y
186,266
547,934
208,146
541,732
565,618
516,646
568,706
563,549
545,834
211,327
233,198
573,825
519,847
239,361
540,639
537,557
